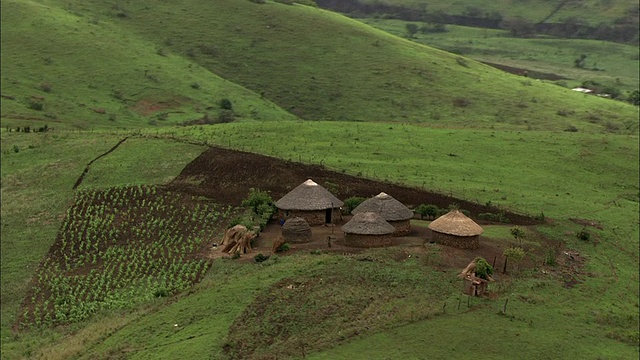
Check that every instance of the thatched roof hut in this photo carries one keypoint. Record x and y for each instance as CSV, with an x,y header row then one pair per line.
x,y
296,230
311,202
392,210
368,229
456,229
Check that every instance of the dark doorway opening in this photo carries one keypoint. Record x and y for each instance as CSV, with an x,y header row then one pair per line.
x,y
327,217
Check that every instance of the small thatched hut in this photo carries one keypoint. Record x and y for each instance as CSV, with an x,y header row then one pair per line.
x,y
456,229
368,229
296,230
311,202
392,210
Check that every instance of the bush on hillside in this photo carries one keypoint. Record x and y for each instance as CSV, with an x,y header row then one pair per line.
x,y
483,269
429,211
352,203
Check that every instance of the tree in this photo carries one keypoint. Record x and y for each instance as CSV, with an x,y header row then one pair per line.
x,y
430,211
517,234
514,255
580,62
412,29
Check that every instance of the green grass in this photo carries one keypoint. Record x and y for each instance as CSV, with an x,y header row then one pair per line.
x,y
312,63
37,186
591,11
478,134
617,63
88,73
511,177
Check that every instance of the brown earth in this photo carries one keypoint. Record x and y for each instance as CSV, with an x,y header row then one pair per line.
x,y
227,175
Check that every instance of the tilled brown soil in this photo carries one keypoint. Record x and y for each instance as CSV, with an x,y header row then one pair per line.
x,y
226,176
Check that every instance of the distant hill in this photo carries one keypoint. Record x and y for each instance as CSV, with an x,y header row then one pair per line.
x,y
604,20
167,61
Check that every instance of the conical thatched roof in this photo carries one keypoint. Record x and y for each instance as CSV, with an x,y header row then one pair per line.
x,y
455,223
386,206
308,196
368,223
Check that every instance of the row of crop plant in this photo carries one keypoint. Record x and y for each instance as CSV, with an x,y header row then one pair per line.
x,y
119,247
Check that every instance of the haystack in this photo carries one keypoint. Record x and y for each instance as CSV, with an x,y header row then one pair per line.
x,y
368,229
237,240
311,202
296,230
392,210
457,230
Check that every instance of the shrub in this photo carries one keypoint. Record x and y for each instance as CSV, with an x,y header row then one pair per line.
x,y
36,105
260,258
195,85
284,247
571,128
16,148
226,104
517,233
226,116
429,211
583,235
259,201
483,268
634,98
550,257
352,203
46,87
514,254
461,102
462,62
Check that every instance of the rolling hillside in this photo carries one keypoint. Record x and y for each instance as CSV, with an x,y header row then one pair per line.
x,y
310,62
63,69
302,85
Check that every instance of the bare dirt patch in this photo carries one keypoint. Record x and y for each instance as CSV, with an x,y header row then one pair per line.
x,y
227,175
149,106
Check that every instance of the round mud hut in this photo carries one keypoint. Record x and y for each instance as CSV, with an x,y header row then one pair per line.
x,y
457,230
296,230
368,229
311,202
392,210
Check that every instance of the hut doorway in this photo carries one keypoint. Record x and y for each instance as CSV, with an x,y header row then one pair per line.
x,y
327,216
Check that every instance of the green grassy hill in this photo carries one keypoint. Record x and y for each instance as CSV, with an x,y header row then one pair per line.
x,y
420,117
310,62
64,69
591,11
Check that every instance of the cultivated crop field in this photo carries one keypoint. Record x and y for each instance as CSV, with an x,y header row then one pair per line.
x,y
119,247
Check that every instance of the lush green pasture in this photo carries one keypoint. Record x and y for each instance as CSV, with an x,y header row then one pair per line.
x,y
582,175
320,65
591,11
64,68
610,64
38,173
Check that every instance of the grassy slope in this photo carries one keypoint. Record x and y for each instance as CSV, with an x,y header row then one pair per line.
x,y
602,187
37,187
320,65
591,11
86,61
619,62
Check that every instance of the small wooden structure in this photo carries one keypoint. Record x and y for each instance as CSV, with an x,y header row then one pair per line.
x,y
474,286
